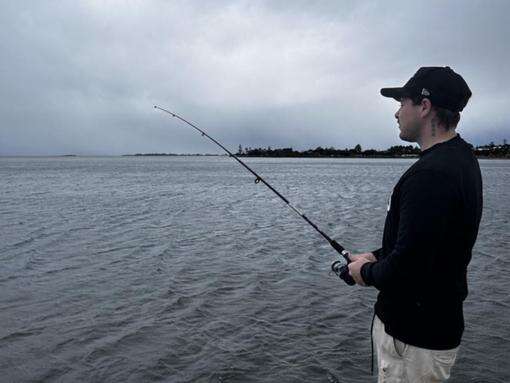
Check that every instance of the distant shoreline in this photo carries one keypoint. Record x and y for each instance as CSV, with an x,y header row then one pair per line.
x,y
70,156
487,152
261,156
490,151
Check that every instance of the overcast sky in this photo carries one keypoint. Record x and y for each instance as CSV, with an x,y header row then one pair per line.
x,y
82,77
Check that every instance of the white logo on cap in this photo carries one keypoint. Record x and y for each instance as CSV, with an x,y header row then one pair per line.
x,y
425,92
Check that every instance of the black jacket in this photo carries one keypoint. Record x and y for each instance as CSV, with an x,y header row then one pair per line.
x,y
430,229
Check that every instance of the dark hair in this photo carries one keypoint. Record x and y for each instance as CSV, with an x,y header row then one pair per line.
x,y
446,117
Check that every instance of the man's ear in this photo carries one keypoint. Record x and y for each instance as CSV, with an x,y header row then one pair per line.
x,y
426,107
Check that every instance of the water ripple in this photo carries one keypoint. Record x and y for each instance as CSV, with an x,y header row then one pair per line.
x,y
182,270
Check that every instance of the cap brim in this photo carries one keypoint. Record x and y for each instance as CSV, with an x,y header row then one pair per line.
x,y
396,93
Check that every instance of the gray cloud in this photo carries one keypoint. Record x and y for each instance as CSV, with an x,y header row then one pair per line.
x,y
81,77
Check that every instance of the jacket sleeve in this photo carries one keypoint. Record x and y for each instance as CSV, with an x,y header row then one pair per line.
x,y
424,204
377,253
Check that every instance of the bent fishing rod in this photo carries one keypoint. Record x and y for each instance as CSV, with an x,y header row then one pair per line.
x,y
341,270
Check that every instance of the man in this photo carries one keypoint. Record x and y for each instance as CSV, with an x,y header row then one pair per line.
x,y
431,226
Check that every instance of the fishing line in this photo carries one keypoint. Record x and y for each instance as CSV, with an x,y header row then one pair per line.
x,y
337,267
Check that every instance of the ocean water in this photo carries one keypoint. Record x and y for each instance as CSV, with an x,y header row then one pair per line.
x,y
182,269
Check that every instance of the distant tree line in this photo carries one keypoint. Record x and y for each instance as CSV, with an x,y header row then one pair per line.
x,y
489,151
493,150
357,151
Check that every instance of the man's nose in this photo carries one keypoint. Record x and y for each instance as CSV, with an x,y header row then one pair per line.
x,y
396,114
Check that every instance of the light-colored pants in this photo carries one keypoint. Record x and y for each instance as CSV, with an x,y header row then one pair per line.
x,y
403,363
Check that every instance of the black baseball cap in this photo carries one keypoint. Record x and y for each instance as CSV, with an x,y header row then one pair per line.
x,y
441,85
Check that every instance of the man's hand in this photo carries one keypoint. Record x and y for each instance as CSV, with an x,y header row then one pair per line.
x,y
358,260
370,256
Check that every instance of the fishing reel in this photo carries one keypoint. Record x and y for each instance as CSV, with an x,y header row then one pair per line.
x,y
342,270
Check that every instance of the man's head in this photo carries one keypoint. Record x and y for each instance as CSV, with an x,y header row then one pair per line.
x,y
434,96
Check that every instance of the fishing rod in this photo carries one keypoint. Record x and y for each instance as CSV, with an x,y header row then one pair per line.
x,y
341,270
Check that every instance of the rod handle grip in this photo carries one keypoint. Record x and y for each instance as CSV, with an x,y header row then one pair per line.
x,y
343,271
341,250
